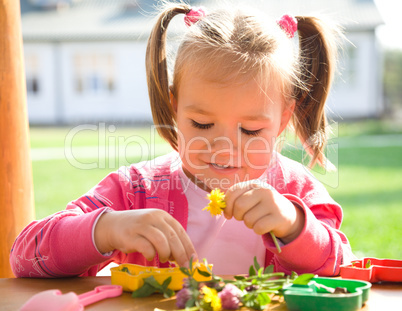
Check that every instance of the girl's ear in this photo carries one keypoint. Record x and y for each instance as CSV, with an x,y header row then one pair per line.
x,y
286,115
173,101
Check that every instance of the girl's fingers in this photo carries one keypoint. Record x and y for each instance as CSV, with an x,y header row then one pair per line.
x,y
171,241
185,249
231,195
241,197
263,225
143,246
249,200
151,232
253,215
157,238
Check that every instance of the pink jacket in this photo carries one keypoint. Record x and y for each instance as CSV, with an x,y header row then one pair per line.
x,y
61,245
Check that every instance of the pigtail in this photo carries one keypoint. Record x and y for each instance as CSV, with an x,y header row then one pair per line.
x,y
157,75
318,51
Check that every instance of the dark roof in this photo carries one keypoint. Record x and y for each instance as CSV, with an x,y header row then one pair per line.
x,y
93,20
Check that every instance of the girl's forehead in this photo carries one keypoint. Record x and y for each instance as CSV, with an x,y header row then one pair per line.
x,y
231,82
244,98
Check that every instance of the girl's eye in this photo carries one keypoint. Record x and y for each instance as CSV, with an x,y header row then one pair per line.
x,y
201,125
251,133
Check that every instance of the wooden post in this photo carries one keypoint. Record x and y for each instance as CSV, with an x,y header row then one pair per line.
x,y
16,190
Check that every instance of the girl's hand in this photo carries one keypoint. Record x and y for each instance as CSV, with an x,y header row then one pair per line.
x,y
147,231
263,209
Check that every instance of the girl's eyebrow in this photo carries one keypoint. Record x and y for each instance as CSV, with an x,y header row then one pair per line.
x,y
199,110
260,117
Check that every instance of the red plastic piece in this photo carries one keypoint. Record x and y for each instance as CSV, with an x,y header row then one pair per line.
x,y
378,270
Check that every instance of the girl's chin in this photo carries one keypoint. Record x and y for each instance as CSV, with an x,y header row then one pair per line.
x,y
209,183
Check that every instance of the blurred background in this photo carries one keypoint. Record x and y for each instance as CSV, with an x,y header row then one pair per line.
x,y
89,110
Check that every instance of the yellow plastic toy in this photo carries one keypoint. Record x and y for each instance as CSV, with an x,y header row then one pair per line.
x,y
131,276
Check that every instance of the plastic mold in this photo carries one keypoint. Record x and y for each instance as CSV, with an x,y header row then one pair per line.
x,y
312,297
131,277
378,270
54,300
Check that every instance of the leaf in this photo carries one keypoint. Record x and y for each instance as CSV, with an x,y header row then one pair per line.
x,y
144,291
204,273
166,283
269,269
304,279
256,264
190,303
167,293
152,286
256,301
251,271
185,271
263,299
239,277
126,270
368,264
154,283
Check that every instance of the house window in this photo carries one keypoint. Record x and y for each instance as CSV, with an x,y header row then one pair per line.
x,y
32,74
94,74
350,64
347,66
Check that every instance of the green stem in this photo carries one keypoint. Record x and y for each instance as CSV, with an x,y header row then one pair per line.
x,y
275,241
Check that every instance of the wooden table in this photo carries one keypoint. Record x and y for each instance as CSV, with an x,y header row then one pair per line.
x,y
15,292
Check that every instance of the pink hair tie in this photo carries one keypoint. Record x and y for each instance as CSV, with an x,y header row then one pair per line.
x,y
194,15
288,23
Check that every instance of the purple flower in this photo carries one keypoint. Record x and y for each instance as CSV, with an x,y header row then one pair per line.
x,y
182,297
230,297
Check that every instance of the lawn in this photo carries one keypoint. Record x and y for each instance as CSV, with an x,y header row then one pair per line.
x,y
368,182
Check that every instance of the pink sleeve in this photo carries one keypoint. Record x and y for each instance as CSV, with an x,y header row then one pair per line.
x,y
61,244
320,248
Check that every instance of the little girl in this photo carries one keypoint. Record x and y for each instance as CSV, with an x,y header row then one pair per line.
x,y
238,82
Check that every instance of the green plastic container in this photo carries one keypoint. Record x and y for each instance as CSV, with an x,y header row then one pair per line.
x,y
311,298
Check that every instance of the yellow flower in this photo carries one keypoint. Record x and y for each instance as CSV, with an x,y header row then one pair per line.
x,y
211,298
217,202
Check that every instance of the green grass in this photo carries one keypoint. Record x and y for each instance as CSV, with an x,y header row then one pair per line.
x,y
59,181
367,184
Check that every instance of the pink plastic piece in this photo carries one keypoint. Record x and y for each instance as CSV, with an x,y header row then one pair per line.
x,y
54,300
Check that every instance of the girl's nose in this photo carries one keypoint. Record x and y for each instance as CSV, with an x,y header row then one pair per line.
x,y
227,141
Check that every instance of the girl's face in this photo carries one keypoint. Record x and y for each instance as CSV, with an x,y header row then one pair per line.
x,y
227,133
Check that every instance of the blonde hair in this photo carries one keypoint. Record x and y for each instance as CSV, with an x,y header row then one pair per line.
x,y
235,45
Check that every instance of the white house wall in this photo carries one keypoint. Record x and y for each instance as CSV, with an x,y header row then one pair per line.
x,y
129,99
357,91
41,104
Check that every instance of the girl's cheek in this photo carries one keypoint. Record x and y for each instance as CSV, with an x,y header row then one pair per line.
x,y
257,152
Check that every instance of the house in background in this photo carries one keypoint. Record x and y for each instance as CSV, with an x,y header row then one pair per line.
x,y
85,59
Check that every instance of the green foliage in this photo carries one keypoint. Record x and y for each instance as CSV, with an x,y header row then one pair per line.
x,y
258,288
152,286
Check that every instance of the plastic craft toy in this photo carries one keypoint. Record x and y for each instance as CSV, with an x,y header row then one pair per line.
x,y
316,295
131,276
373,270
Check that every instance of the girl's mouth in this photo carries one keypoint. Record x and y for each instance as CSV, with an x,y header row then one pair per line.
x,y
222,166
